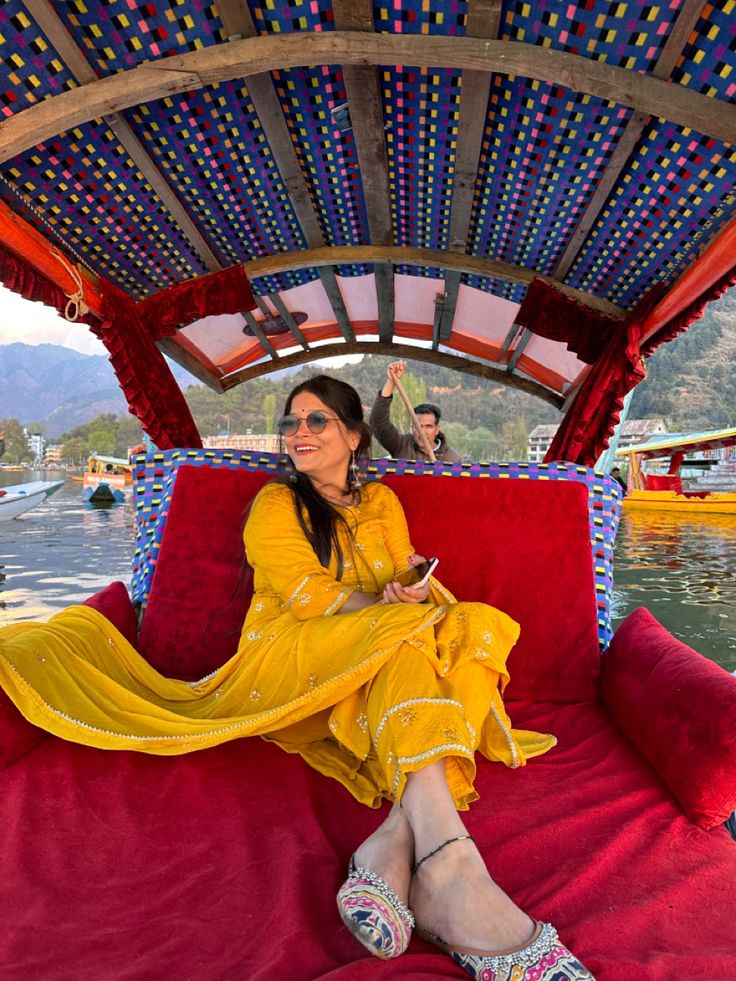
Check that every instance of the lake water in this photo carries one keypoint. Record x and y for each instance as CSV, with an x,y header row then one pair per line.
x,y
683,570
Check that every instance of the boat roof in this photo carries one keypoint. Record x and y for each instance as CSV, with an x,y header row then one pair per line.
x,y
685,442
116,460
392,176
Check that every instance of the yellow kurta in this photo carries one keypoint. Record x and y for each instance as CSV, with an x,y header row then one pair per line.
x,y
365,697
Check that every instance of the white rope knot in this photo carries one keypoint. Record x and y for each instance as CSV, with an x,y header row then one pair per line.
x,y
75,307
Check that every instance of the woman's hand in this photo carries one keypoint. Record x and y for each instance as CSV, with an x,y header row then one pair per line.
x,y
393,592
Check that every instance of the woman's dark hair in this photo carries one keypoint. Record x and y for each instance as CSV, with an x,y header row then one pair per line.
x,y
324,519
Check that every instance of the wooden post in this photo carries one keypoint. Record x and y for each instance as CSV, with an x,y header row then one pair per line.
x,y
420,432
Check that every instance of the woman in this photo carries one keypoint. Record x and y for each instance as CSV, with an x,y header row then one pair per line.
x,y
388,689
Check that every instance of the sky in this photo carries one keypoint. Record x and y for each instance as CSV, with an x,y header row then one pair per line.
x,y
33,323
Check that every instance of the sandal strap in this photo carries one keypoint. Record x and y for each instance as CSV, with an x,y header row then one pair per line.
x,y
439,848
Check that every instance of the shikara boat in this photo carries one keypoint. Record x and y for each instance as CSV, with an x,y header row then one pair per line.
x,y
19,498
653,489
538,194
106,479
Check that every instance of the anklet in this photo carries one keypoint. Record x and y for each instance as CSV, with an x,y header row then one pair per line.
x,y
439,849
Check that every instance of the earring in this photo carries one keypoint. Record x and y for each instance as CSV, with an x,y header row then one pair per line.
x,y
354,472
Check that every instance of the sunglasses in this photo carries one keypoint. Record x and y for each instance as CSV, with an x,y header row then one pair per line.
x,y
316,422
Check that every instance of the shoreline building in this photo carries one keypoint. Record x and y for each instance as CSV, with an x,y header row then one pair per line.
x,y
261,442
632,431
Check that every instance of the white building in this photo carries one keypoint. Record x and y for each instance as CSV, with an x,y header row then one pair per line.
x,y
632,431
261,442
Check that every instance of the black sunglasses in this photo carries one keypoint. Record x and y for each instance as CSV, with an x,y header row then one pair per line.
x,y
316,422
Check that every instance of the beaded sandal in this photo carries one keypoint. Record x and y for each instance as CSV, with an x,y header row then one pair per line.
x,y
373,913
544,958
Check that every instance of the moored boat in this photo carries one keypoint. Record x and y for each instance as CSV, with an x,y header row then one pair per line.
x,y
656,489
18,499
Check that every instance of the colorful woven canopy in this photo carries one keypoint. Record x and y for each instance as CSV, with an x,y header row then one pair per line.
x,y
393,175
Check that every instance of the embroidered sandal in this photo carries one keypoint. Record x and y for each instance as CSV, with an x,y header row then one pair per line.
x,y
544,958
373,913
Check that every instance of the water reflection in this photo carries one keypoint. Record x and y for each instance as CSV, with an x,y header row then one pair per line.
x,y
683,568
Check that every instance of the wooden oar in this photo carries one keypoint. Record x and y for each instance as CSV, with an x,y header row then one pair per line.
x,y
423,439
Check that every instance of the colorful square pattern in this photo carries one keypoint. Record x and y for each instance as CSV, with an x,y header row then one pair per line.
x,y
154,476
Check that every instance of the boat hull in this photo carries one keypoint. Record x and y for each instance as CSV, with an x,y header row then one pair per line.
x,y
703,502
22,497
103,493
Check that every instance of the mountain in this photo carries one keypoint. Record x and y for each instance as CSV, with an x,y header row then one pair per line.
x,y
59,387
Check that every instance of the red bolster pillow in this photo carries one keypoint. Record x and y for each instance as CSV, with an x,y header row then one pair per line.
x,y
679,709
114,603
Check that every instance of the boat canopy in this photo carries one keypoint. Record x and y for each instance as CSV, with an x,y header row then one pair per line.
x,y
681,444
536,193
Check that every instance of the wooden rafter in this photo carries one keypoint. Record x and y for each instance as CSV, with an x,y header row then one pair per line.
x,y
52,26
395,254
478,368
288,319
238,25
251,56
177,353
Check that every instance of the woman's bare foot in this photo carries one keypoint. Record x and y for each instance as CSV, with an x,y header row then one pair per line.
x,y
453,896
389,852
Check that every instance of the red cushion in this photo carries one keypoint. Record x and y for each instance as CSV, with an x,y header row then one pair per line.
x,y
201,589
17,735
524,547
679,709
114,603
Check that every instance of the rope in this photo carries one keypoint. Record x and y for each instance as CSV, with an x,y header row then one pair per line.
x,y
75,306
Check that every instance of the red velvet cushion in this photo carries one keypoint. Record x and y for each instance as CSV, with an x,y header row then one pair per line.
x,y
524,547
200,590
114,603
679,709
17,735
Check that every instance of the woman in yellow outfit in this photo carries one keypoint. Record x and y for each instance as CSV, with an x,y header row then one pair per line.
x,y
388,689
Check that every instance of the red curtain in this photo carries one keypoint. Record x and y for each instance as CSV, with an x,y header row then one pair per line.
x,y
21,277
595,410
548,312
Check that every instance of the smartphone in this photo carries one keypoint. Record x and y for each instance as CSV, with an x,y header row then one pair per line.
x,y
417,576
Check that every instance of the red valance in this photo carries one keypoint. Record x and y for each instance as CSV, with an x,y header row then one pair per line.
x,y
227,291
146,380
550,313
21,277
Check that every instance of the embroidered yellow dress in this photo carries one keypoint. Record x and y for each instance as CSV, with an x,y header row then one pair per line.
x,y
365,697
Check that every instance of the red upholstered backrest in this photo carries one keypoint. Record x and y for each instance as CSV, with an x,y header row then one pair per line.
x,y
524,547
521,545
200,590
663,482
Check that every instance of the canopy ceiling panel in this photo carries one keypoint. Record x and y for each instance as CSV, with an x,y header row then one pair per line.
x,y
389,173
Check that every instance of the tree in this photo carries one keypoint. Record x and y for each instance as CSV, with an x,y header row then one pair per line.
x,y
269,412
102,441
514,439
16,443
75,451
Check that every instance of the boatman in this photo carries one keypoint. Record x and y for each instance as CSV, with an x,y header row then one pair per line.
x,y
406,446
616,474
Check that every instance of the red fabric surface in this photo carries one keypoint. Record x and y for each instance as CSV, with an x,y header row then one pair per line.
x,y
679,709
17,735
226,291
21,277
201,587
518,545
662,482
225,863
114,603
548,312
151,391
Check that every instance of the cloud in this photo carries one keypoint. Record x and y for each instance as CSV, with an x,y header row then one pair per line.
x,y
33,323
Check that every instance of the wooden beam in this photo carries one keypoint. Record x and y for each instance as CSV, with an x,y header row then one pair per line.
x,y
177,353
366,120
484,17
251,56
477,368
332,289
449,304
384,273
53,27
275,298
259,333
526,336
398,255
